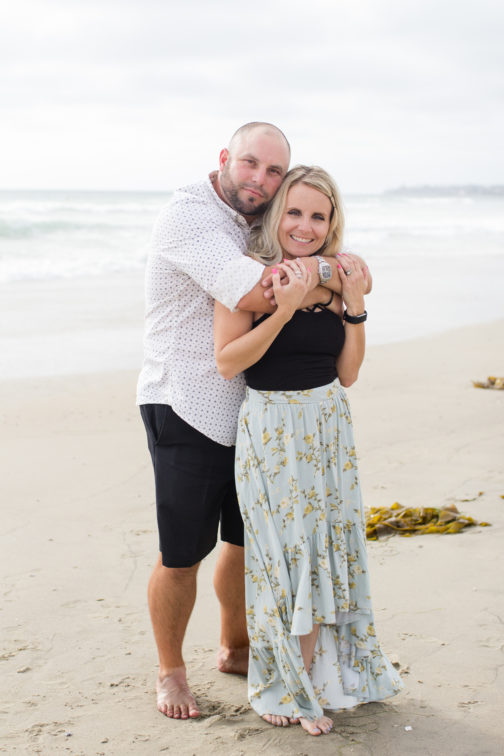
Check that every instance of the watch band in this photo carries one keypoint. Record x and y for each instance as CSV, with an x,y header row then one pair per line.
x,y
355,319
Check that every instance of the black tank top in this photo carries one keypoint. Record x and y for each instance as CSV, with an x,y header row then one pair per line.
x,y
303,355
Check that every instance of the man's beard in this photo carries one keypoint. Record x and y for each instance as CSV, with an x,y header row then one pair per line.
x,y
230,192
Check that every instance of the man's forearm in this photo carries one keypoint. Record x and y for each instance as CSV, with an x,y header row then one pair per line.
x,y
259,299
318,295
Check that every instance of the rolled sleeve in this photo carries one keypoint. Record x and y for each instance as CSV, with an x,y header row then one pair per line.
x,y
237,278
209,249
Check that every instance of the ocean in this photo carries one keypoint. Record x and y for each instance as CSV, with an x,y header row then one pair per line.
x,y
71,270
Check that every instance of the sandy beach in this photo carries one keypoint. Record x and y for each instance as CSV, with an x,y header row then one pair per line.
x,y
78,540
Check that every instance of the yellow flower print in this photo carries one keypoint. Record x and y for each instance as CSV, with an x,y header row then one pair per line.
x,y
287,698
265,437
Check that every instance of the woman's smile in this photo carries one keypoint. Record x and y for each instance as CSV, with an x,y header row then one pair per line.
x,y
305,222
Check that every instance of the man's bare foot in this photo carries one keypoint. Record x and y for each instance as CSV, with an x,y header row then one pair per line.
x,y
277,720
233,660
316,726
174,699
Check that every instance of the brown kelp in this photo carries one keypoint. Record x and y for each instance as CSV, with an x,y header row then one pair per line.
x,y
409,521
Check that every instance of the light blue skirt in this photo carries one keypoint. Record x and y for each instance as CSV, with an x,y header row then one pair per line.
x,y
305,555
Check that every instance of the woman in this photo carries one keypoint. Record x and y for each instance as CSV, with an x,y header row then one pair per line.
x,y
310,622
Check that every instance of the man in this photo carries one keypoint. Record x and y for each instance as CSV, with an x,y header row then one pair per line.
x,y
189,410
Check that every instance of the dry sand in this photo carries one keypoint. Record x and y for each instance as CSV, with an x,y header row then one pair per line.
x,y
78,541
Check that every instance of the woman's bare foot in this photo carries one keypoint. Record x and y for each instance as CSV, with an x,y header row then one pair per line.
x,y
233,660
317,726
174,699
277,720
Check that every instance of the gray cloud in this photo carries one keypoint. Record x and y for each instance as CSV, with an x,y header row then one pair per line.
x,y
392,77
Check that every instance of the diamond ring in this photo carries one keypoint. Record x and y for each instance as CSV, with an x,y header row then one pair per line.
x,y
348,272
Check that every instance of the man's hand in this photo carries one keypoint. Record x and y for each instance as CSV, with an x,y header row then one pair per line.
x,y
267,282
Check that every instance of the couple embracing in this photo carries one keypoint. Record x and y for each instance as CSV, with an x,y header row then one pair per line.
x,y
254,324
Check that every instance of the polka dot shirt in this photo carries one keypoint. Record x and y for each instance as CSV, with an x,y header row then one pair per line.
x,y
196,255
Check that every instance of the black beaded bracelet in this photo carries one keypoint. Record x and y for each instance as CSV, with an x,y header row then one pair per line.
x,y
326,304
355,319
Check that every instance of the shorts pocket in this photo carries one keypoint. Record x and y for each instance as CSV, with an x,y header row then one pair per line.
x,y
154,417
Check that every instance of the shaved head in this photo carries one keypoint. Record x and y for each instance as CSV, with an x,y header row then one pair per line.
x,y
262,127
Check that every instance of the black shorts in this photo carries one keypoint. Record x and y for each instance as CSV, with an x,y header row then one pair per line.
x,y
195,488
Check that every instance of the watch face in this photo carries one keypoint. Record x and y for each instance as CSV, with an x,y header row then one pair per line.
x,y
325,272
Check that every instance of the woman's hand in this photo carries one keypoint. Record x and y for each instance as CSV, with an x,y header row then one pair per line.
x,y
354,283
290,293
358,262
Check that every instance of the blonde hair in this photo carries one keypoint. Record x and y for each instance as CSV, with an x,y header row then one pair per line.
x,y
264,245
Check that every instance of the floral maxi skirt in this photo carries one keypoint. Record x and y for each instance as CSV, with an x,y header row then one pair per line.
x,y
305,555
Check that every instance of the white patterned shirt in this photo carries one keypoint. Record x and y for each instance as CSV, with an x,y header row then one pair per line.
x,y
196,255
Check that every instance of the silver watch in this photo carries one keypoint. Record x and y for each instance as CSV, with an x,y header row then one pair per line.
x,y
324,269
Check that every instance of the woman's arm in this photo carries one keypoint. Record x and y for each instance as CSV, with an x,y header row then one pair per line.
x,y
351,356
344,259
237,345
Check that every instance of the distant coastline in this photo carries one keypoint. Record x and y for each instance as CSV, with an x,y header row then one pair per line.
x,y
465,190
425,190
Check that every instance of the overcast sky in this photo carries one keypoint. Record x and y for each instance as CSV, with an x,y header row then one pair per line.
x,y
143,94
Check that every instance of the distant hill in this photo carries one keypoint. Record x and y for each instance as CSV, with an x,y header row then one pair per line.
x,y
448,191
